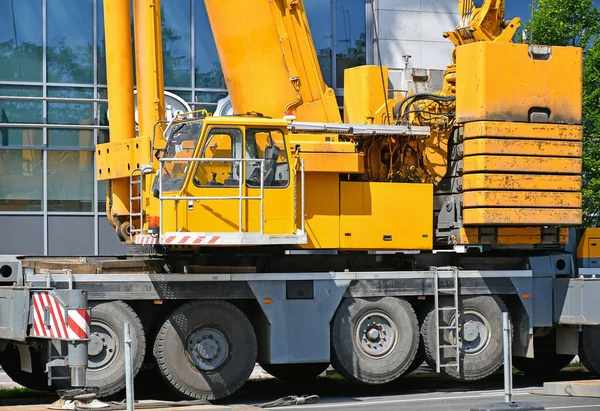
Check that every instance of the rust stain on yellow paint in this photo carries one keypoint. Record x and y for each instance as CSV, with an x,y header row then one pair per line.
x,y
522,216
523,147
525,164
536,182
523,130
521,199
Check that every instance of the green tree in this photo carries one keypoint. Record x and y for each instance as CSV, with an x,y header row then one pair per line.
x,y
577,23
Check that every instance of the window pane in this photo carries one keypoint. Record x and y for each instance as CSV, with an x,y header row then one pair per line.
x,y
103,134
70,113
269,146
319,20
21,180
70,180
21,111
21,40
350,36
69,48
102,190
70,138
220,144
208,100
208,66
176,34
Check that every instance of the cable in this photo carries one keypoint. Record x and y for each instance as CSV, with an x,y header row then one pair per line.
x,y
120,406
291,400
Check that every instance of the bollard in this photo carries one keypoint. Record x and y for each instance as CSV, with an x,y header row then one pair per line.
x,y
508,404
507,359
128,371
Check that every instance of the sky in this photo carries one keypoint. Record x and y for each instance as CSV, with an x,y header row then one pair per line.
x,y
522,8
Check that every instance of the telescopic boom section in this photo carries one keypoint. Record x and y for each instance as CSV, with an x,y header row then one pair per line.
x,y
119,63
126,154
269,59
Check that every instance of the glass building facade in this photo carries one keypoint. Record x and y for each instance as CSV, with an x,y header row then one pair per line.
x,y
53,107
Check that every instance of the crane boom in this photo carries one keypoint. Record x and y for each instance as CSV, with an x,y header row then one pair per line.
x,y
269,59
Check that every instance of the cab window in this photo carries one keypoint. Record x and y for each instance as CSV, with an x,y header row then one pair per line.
x,y
222,147
267,145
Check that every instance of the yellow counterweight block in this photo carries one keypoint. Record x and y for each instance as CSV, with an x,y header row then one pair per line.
x,y
521,174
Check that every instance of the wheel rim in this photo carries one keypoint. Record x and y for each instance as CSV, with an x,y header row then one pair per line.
x,y
376,334
103,346
207,348
475,332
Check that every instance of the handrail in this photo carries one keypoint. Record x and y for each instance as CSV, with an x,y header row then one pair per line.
x,y
239,198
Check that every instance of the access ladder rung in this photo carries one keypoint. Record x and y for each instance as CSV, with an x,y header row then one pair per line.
x,y
452,364
447,327
447,290
448,346
447,308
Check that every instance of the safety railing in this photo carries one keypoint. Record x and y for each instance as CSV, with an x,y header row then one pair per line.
x,y
241,198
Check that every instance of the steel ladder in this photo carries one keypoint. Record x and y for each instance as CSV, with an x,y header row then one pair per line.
x,y
438,292
136,179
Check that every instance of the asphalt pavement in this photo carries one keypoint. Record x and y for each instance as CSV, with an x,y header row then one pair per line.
x,y
420,391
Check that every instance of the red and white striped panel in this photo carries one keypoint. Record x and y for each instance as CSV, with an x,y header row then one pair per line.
x,y
64,324
146,239
191,239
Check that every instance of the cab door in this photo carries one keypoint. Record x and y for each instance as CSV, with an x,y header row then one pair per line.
x,y
269,145
215,180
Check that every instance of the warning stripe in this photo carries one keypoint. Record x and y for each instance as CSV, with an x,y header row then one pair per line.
x,y
64,324
38,319
53,314
60,314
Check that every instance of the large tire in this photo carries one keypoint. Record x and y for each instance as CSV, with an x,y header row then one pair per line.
x,y
589,348
374,341
419,359
206,350
482,354
296,373
106,349
10,361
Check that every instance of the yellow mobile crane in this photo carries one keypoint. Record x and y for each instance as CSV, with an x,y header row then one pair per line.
x,y
286,236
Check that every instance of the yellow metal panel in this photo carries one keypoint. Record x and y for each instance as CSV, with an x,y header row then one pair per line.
x,y
521,216
474,164
334,162
523,130
503,82
119,158
386,216
322,210
585,248
540,148
363,93
521,199
278,211
530,182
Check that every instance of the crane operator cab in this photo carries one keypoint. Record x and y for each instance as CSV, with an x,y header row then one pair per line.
x,y
229,181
